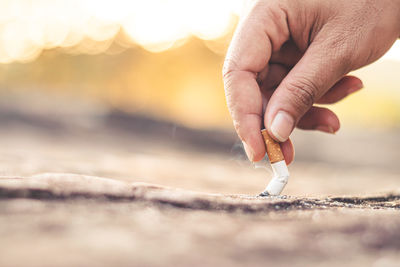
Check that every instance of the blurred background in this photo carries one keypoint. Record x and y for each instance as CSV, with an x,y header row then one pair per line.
x,y
132,90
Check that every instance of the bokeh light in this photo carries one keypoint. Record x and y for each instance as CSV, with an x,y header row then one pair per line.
x,y
157,57
27,27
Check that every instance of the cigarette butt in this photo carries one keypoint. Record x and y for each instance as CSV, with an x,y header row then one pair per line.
x,y
273,148
278,164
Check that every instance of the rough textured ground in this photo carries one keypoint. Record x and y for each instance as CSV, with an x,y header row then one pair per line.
x,y
67,220
188,198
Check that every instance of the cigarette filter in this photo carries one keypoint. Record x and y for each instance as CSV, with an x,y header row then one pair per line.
x,y
278,164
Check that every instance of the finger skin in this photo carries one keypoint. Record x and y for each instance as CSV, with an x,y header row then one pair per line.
x,y
248,54
288,55
320,118
276,73
339,39
344,87
312,76
327,39
288,151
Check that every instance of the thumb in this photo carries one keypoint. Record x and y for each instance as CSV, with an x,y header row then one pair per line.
x,y
318,70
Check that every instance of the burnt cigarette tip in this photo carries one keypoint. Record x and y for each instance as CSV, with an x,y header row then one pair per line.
x,y
264,194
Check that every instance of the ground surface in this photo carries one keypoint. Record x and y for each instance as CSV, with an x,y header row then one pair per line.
x,y
171,196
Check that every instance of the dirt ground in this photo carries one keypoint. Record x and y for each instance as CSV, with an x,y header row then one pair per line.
x,y
103,189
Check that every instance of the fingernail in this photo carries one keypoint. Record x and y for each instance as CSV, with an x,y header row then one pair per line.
x,y
355,88
249,151
325,128
282,126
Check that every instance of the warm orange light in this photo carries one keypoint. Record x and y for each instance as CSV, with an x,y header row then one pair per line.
x,y
27,27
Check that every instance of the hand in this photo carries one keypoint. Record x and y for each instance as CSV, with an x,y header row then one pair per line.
x,y
289,54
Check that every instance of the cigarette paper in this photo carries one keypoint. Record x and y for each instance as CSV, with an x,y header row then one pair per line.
x,y
278,164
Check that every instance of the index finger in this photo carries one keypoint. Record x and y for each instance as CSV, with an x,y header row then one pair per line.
x,y
262,31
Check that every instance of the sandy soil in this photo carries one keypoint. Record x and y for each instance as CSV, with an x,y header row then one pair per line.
x,y
171,196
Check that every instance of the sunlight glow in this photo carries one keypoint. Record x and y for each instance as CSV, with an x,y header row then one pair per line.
x,y
27,27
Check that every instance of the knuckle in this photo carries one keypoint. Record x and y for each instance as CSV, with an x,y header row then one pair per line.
x,y
229,66
342,49
303,92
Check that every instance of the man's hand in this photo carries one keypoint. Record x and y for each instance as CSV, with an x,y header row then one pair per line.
x,y
287,55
